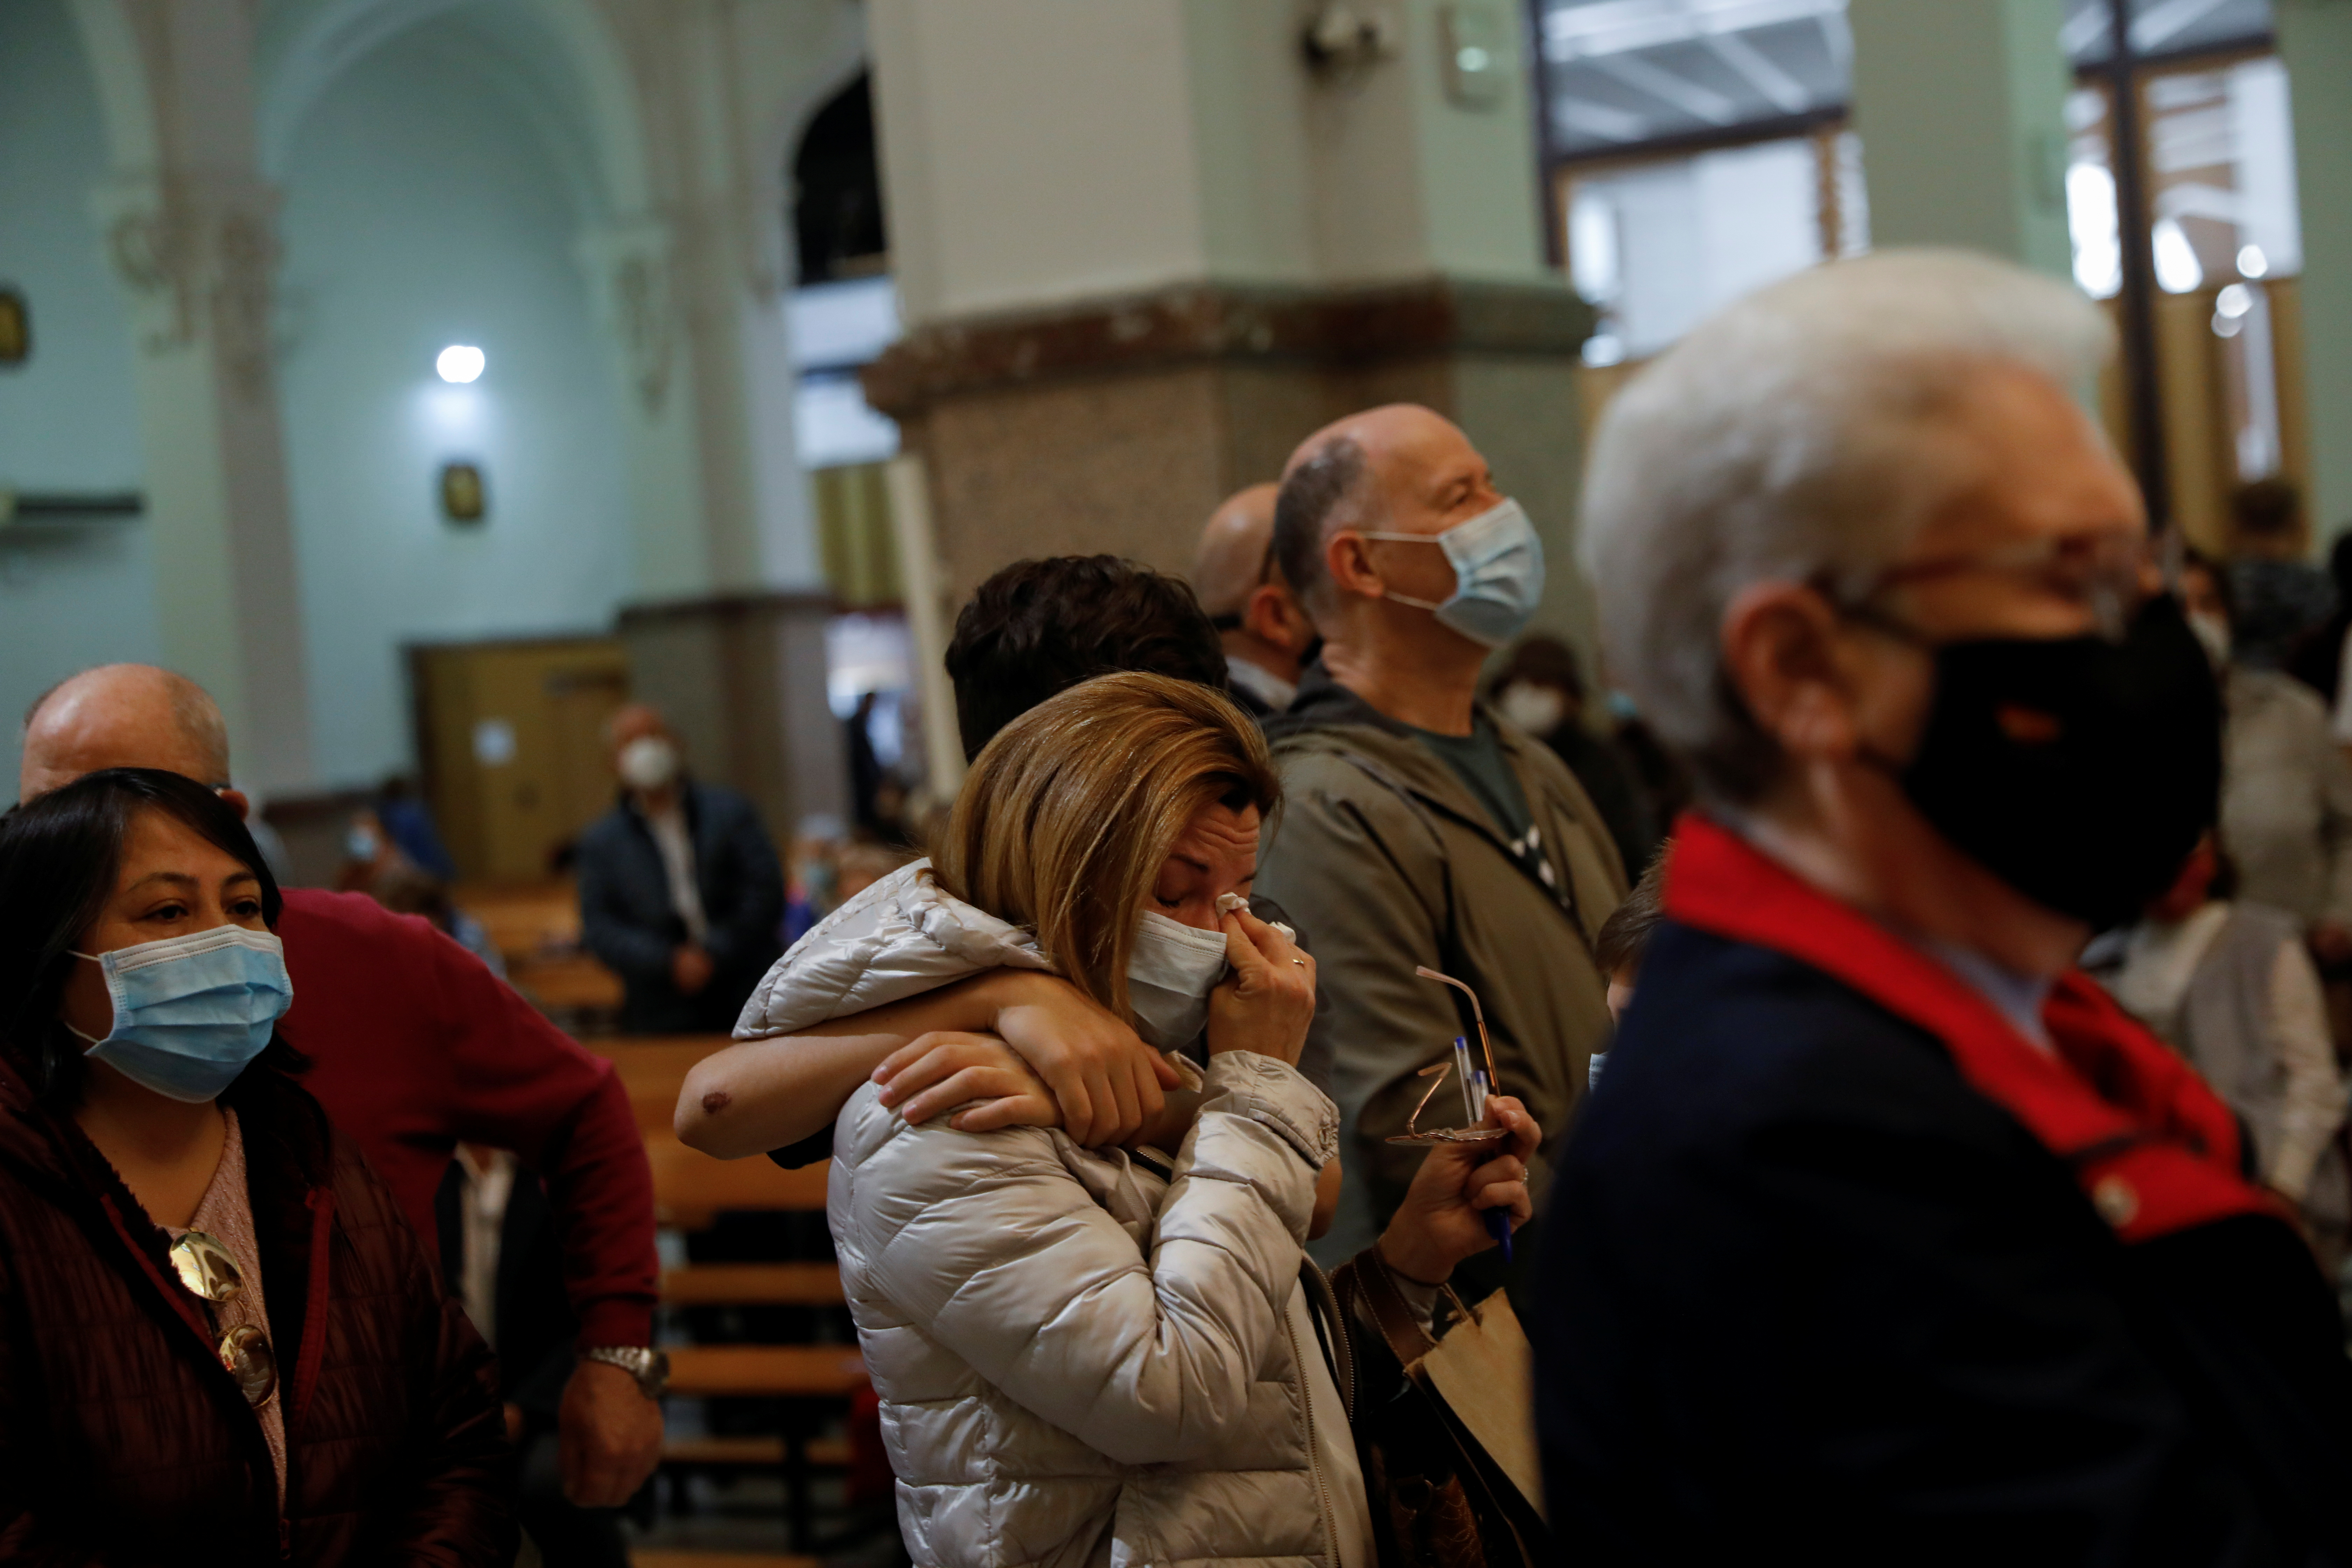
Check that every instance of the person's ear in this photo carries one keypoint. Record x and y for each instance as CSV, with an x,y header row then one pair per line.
x,y
1348,559
1785,654
237,802
1274,615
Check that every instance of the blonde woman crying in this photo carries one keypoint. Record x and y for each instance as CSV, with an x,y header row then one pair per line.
x,y
1117,1352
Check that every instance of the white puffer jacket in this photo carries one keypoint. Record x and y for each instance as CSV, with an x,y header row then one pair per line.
x,y
898,938
1083,1356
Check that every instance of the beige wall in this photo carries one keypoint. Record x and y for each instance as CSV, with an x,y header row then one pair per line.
x,y
1038,153
1961,111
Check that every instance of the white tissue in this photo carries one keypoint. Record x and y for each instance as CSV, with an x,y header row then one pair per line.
x,y
1228,902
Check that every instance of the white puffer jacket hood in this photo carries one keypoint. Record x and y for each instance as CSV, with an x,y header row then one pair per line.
x,y
1084,1356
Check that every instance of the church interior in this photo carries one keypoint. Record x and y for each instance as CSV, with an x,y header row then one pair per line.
x,y
431,379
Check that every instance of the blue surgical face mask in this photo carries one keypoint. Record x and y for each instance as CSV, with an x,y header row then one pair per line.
x,y
190,1012
1498,574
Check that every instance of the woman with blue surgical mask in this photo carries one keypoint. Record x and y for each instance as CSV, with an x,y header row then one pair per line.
x,y
1136,1330
183,1235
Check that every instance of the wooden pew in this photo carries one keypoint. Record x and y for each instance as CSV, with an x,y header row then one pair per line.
x,y
690,1189
653,1070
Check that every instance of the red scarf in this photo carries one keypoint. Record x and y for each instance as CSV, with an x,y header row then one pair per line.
x,y
2152,1147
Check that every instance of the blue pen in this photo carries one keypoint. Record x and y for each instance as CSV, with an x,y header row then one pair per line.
x,y
1498,1221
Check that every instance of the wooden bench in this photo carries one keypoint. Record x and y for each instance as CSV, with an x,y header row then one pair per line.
x,y
776,1372
690,1190
524,919
752,1453
753,1285
569,984
653,1071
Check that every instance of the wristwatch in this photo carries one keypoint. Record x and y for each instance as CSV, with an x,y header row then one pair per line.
x,y
649,1367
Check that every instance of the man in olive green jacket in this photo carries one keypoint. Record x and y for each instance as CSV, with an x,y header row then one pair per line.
x,y
1421,827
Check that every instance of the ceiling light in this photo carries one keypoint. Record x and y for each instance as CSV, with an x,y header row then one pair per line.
x,y
460,362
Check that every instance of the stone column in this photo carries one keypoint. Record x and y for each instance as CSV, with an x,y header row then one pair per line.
x,y
2314,39
727,631
190,228
1143,250
1961,110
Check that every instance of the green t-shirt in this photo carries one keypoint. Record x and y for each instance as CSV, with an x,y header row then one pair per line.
x,y
1477,758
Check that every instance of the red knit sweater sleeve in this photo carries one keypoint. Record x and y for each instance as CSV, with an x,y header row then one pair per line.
x,y
418,1046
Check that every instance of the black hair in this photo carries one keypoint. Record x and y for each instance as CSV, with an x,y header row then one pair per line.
x,y
59,855
1624,938
1303,507
1041,627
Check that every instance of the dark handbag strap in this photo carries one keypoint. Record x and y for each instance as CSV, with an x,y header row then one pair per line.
x,y
1407,1339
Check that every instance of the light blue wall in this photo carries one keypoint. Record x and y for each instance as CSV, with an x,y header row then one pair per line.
x,y
69,417
423,209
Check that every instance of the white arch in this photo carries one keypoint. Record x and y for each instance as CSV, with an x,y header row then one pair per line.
x,y
314,44
111,42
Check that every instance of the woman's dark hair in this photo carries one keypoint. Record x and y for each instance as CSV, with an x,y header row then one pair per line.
x,y
59,855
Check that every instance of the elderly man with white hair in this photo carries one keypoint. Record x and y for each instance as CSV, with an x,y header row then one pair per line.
x,y
1890,1237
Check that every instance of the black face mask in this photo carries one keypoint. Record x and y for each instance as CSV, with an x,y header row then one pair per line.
x,y
2079,771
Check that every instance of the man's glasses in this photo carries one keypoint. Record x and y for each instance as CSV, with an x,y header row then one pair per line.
x,y
1477,1082
209,1270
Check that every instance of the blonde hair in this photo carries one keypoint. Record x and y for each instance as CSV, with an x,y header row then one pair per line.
x,y
1068,815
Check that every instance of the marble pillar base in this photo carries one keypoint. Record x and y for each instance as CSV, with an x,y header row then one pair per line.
x,y
1117,425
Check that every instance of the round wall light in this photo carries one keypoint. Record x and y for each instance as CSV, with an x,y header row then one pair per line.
x,y
460,362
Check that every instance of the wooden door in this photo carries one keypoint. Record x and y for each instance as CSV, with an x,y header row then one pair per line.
x,y
511,738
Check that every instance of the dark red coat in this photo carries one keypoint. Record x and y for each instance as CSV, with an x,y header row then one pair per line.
x,y
414,1045
122,1440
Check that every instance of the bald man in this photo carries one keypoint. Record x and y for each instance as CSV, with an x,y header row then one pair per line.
x,y
414,1046
1421,827
1265,629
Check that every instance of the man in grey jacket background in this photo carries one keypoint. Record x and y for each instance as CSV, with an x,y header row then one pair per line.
x,y
1420,826
680,887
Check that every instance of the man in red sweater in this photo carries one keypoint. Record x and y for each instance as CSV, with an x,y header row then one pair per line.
x,y
415,1045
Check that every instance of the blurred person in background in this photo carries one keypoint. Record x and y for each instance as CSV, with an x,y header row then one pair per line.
x,y
1892,1237
407,821
374,864
2229,986
812,873
2280,595
1423,827
2317,657
415,1047
1540,688
680,893
2286,789
1267,638
223,1342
